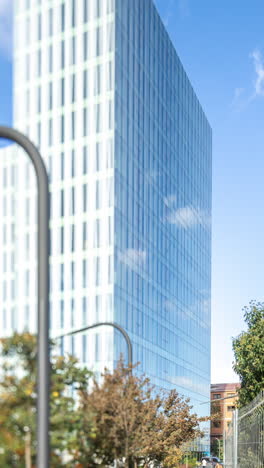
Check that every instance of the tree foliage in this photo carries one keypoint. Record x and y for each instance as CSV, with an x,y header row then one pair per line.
x,y
134,425
121,418
18,402
249,354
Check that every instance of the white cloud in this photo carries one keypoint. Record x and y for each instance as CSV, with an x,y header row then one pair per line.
x,y
259,69
186,217
133,258
238,101
6,38
151,177
182,217
170,200
241,98
238,93
168,13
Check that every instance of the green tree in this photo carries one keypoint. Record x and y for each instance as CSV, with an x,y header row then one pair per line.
x,y
134,423
176,427
121,418
18,404
249,354
217,448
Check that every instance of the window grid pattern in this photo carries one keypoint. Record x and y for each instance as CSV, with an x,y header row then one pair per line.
x,y
163,207
64,95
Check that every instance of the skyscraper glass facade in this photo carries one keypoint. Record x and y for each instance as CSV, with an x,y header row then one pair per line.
x,y
163,204
99,88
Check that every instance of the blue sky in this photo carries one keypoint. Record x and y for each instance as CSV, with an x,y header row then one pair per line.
x,y
5,63
221,45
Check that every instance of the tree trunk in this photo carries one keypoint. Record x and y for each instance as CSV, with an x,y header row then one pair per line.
x,y
126,454
28,450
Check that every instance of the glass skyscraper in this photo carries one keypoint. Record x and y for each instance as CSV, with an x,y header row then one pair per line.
x,y
100,89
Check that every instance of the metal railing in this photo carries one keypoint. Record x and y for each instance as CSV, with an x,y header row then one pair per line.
x,y
244,440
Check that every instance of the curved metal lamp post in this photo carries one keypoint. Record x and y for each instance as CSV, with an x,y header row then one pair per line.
x,y
43,358
101,324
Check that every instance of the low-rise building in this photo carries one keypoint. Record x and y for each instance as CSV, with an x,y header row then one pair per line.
x,y
226,393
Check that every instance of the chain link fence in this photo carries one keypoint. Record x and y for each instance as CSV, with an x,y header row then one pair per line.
x,y
244,440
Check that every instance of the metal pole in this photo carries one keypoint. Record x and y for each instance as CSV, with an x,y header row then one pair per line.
x,y
224,447
219,399
235,429
28,448
43,359
101,324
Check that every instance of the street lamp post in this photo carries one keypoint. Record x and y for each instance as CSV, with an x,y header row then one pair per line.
x,y
43,358
101,324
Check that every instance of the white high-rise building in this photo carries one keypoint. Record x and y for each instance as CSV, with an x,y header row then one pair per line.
x,y
64,102
100,89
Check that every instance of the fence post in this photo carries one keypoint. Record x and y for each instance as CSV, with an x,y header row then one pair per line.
x,y
224,446
235,429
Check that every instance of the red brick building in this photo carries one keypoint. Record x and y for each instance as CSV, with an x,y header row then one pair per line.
x,y
224,407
